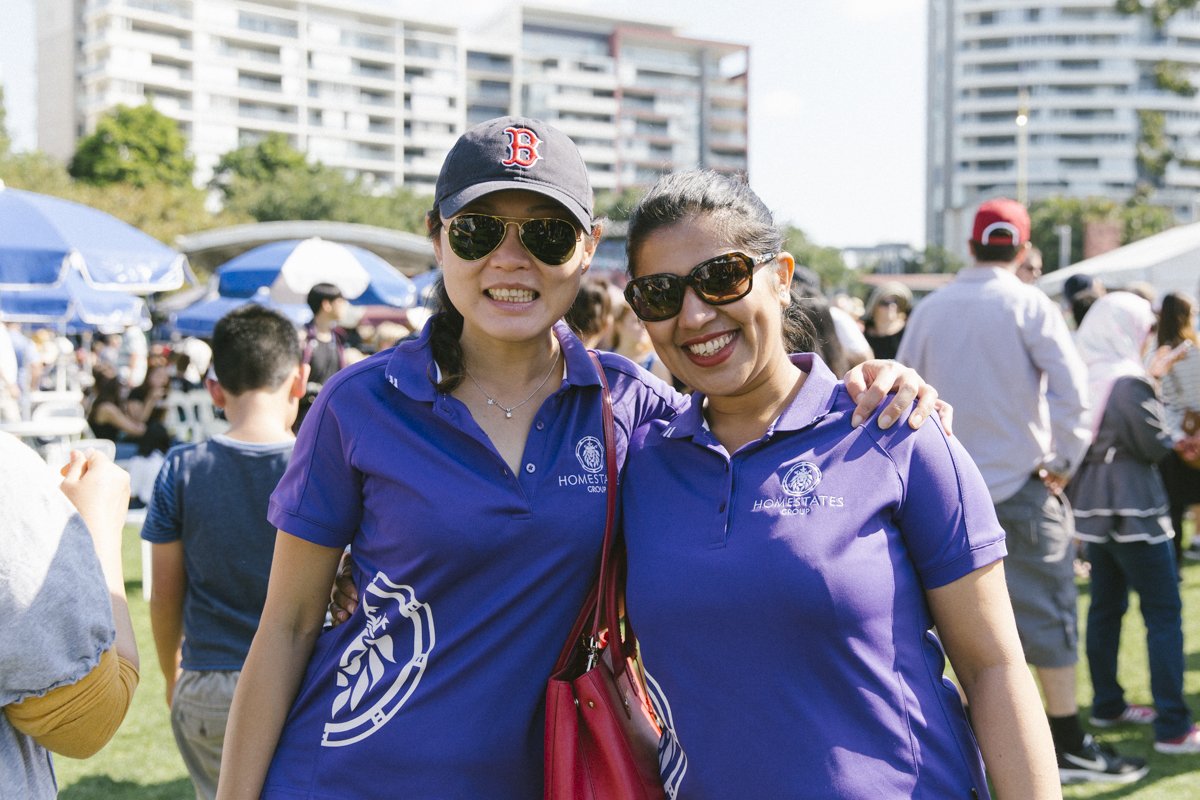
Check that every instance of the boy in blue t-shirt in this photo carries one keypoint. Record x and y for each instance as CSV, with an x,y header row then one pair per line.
x,y
211,541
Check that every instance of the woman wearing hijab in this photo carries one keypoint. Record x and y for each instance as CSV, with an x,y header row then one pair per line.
x,y
1121,513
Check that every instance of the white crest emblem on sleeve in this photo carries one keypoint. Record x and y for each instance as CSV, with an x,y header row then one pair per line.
x,y
380,669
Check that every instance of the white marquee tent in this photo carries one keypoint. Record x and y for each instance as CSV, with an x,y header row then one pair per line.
x,y
1168,261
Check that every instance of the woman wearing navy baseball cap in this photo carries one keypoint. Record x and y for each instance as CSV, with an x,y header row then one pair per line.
x,y
461,466
785,569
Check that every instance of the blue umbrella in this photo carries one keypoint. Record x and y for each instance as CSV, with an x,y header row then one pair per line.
x,y
425,282
201,317
74,305
290,268
42,238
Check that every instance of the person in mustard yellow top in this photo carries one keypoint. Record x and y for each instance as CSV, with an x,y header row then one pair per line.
x,y
68,659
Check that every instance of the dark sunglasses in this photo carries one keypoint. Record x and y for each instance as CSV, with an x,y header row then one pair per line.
x,y
548,239
717,281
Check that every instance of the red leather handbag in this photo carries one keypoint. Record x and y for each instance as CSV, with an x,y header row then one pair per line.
x,y
602,735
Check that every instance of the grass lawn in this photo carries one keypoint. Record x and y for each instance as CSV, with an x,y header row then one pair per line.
x,y
141,763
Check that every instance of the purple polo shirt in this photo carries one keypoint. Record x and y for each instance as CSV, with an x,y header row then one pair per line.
x,y
779,598
469,576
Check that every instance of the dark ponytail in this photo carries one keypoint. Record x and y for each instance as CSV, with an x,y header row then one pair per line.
x,y
445,336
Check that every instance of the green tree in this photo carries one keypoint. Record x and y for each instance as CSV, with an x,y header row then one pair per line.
x,y
934,260
400,209
160,210
1048,214
1138,218
1154,151
257,163
312,192
618,205
36,172
139,146
269,183
1158,11
825,261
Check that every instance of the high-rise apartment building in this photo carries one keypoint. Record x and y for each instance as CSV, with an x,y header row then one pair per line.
x,y
374,90
1066,98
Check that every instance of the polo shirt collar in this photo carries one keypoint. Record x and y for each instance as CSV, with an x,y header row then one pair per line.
x,y
814,400
412,370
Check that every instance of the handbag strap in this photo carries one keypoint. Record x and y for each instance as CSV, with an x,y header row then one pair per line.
x,y
601,609
606,602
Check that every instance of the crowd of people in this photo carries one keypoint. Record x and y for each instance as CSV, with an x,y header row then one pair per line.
x,y
804,552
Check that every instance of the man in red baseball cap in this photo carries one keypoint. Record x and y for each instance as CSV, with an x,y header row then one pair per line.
x,y
1001,222
999,350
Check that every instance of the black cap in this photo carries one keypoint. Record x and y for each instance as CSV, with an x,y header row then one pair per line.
x,y
1079,282
514,153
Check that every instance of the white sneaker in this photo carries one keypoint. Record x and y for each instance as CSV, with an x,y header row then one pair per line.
x,y
1188,743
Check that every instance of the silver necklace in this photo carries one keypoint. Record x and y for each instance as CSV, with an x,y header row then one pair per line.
x,y
508,412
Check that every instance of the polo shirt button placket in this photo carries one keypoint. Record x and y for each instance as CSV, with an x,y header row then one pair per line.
x,y
721,534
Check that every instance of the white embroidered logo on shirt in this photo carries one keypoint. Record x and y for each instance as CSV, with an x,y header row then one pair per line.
x,y
801,479
377,673
590,453
799,483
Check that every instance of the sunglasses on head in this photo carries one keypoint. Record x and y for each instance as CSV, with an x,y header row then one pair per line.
x,y
717,281
548,239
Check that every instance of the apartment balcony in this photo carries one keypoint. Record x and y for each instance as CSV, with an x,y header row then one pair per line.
x,y
597,154
161,12
727,143
383,127
371,152
485,65
582,104
1121,125
173,106
716,160
587,129
725,91
445,86
501,99
281,114
380,167
153,42
726,118
239,52
433,141
573,77
374,43
160,75
268,27
424,165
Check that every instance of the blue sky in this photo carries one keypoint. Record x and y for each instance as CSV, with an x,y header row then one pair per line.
x,y
836,106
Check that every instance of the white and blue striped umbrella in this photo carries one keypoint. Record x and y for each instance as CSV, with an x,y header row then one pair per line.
x,y
290,268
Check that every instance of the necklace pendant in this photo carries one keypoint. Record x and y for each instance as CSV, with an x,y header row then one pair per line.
x,y
507,414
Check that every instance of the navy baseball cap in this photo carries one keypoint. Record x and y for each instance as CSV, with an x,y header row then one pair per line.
x,y
514,153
